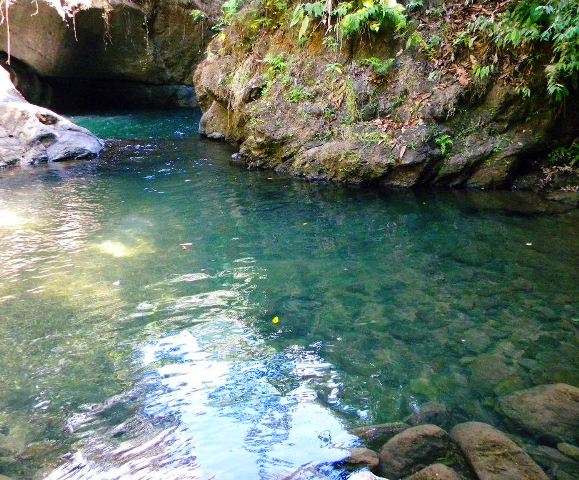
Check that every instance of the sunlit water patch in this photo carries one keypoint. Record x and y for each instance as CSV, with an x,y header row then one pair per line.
x,y
166,315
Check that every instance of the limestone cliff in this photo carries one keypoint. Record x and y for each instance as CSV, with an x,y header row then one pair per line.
x,y
121,48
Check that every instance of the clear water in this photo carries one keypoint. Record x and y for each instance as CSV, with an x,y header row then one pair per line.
x,y
125,354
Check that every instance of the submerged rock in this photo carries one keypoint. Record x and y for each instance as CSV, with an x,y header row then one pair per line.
x,y
31,134
570,450
416,448
378,435
553,461
494,456
431,412
548,411
437,471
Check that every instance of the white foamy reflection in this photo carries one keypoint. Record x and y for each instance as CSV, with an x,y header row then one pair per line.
x,y
223,406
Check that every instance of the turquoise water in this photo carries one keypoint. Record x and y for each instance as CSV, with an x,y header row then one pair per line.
x,y
137,294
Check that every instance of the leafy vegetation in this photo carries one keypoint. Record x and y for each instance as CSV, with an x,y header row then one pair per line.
x,y
565,156
530,23
379,66
445,143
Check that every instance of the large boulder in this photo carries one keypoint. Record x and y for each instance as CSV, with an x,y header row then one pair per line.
x,y
416,448
548,411
30,134
494,456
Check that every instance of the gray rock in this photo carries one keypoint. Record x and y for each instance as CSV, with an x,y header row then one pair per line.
x,y
378,435
431,412
494,456
362,457
437,471
416,448
548,411
31,134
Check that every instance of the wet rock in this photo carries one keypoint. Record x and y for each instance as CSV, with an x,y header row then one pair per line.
x,y
416,448
548,411
437,471
489,370
362,457
431,412
4,477
570,450
553,461
378,435
494,456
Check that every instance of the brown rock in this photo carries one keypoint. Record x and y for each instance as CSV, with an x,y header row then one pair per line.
x,y
548,411
379,434
435,472
362,457
416,448
493,455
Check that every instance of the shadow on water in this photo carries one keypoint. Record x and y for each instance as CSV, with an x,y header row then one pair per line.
x,y
137,295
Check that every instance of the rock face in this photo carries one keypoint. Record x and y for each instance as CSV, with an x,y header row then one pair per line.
x,y
416,448
435,472
322,113
31,134
120,46
492,455
548,411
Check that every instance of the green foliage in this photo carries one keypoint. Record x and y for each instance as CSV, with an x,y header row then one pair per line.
x,y
298,94
276,65
565,156
380,67
229,9
445,143
335,68
523,91
483,71
198,16
532,22
331,43
373,15
415,5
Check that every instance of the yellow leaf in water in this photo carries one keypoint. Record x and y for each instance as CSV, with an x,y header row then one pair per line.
x,y
275,320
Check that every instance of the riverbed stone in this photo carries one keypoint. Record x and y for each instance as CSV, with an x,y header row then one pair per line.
x,y
362,457
547,411
416,448
494,456
378,435
437,471
431,412
553,461
570,450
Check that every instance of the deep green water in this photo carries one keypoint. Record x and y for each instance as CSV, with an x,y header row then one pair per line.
x,y
137,358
